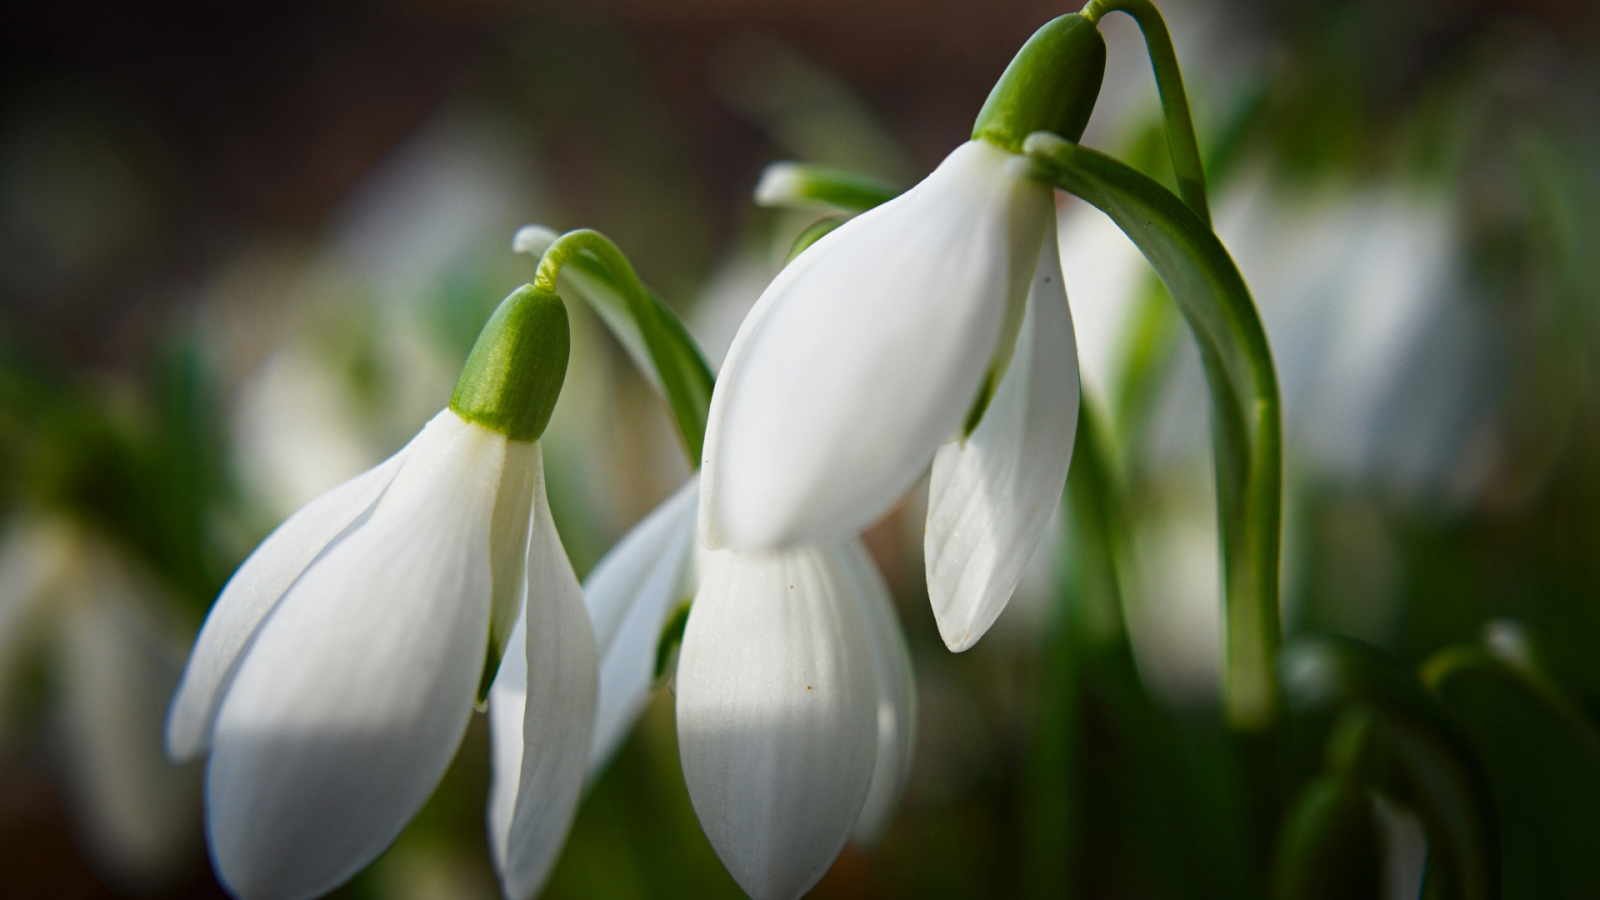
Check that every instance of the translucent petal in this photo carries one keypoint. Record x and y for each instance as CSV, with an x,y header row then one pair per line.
x,y
631,593
865,354
992,495
777,713
508,548
253,591
540,744
352,698
897,695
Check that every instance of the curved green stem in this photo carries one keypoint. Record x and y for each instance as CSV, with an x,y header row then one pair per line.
x,y
1246,411
1186,164
682,371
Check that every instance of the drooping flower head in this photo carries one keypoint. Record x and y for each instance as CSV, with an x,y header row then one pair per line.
x,y
334,677
794,691
895,335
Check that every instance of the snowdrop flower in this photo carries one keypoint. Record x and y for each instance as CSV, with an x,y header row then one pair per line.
x,y
931,329
336,674
752,640
795,709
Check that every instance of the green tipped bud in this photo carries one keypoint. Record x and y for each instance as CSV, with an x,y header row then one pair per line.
x,y
513,377
1051,85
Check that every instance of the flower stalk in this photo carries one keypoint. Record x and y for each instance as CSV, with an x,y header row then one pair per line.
x,y
1246,409
1185,149
674,359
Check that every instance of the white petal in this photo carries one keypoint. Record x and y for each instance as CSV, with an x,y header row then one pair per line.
x,y
897,696
631,593
352,698
508,701
508,546
865,354
777,713
253,591
541,749
992,495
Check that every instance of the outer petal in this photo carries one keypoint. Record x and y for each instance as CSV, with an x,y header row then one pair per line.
x,y
864,355
897,695
540,745
991,496
253,591
777,713
631,593
354,694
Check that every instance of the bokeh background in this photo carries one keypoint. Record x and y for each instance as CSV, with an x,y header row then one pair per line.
x,y
244,249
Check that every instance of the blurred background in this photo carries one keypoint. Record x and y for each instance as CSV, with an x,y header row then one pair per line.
x,y
244,249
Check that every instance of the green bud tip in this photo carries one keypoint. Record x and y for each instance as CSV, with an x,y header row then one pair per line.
x,y
1051,85
513,376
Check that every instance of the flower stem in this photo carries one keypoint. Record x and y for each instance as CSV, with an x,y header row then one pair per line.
x,y
1245,407
1185,149
681,369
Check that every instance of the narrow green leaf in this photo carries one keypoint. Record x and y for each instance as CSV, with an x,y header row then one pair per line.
x,y
670,640
1543,763
1414,755
1328,847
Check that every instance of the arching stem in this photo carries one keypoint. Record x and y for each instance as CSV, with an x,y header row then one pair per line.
x,y
1186,164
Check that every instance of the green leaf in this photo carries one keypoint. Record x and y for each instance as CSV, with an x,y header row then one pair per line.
x,y
670,639
1246,411
1414,755
1328,846
1543,763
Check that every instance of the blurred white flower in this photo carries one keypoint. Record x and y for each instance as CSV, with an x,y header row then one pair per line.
x,y
795,708
116,654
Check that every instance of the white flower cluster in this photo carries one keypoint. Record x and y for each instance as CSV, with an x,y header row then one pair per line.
x,y
337,672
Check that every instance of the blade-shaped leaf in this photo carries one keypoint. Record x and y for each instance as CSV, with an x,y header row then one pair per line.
x,y
1543,762
1418,758
1328,847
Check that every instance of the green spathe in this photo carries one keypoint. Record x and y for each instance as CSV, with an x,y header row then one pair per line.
x,y
1051,85
513,376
